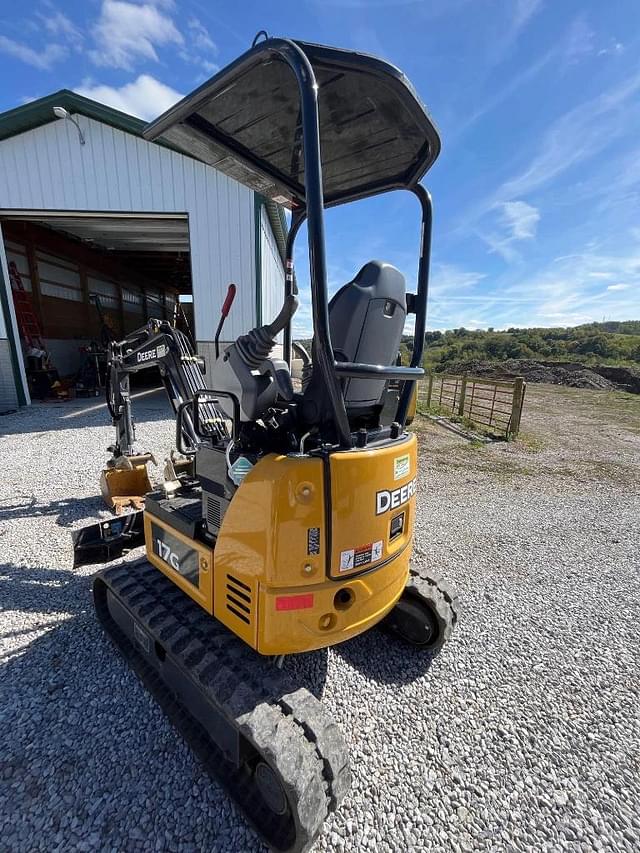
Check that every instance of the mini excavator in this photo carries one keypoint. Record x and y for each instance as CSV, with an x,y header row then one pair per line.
x,y
285,524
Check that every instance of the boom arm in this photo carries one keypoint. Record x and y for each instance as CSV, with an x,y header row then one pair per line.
x,y
158,344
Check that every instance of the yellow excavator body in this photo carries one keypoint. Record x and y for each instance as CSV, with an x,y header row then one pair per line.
x,y
312,550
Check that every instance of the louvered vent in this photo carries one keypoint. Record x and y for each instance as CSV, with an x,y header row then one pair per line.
x,y
239,599
214,512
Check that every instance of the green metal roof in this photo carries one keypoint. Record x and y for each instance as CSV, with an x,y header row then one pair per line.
x,y
40,112
36,113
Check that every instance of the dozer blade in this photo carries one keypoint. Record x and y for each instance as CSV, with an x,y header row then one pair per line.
x,y
125,487
107,540
272,746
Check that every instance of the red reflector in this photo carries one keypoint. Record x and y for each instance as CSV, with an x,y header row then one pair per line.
x,y
294,602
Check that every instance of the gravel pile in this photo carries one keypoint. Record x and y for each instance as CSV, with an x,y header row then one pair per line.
x,y
523,734
573,375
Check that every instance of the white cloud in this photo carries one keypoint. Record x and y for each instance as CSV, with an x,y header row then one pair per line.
x,y
446,279
518,14
576,44
500,95
576,136
43,59
614,47
200,36
519,221
566,292
144,97
572,139
580,41
524,10
200,47
127,33
58,24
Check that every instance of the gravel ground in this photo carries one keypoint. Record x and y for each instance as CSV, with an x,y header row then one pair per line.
x,y
523,734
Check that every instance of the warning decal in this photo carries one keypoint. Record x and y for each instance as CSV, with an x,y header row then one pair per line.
x,y
401,467
356,558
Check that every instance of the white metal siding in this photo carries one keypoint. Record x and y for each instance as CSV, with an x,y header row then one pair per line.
x,y
47,169
272,271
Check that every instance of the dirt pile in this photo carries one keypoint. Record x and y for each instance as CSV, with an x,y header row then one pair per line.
x,y
598,377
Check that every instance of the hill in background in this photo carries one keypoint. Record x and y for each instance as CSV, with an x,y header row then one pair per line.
x,y
593,343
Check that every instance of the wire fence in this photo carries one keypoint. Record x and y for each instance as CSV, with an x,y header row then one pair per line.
x,y
495,405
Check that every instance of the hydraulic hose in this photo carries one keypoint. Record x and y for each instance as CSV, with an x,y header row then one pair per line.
x,y
256,345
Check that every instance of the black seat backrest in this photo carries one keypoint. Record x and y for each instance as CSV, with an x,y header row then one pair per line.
x,y
366,319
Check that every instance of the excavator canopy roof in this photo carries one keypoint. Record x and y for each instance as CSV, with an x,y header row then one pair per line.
x,y
375,133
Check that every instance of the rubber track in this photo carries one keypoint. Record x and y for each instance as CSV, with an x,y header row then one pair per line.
x,y
443,596
444,587
288,727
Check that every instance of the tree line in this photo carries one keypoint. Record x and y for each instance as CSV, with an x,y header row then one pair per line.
x,y
610,342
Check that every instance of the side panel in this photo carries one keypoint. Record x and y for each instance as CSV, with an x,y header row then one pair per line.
x,y
189,564
274,526
272,537
373,506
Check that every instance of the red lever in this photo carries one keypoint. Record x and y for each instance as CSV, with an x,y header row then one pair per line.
x,y
228,302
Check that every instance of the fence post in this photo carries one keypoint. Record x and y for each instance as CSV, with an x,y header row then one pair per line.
x,y
463,393
429,388
516,407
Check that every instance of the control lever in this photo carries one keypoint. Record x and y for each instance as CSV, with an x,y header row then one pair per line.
x,y
224,312
281,376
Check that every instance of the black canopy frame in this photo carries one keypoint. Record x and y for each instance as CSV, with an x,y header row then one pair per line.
x,y
188,129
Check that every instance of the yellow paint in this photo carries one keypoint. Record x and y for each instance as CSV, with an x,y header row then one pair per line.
x,y
203,593
373,596
356,478
264,530
262,550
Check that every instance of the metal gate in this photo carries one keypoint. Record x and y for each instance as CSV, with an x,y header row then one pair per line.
x,y
495,405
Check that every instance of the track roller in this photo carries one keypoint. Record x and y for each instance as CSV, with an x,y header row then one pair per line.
x,y
273,747
426,613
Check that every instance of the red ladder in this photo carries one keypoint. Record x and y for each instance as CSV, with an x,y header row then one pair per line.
x,y
30,330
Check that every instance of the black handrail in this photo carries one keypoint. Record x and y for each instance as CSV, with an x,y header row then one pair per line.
x,y
421,299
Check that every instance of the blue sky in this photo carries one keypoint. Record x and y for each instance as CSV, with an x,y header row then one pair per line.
x,y
537,189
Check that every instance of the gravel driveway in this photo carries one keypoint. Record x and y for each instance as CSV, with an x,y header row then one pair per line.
x,y
523,735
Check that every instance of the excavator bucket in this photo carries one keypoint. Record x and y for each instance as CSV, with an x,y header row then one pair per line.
x,y
126,483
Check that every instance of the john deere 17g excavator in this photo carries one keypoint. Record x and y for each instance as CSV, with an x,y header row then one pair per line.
x,y
286,525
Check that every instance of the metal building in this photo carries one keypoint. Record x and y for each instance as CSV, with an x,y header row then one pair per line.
x,y
92,209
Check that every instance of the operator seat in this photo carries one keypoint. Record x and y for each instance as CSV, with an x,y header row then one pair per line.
x,y
366,319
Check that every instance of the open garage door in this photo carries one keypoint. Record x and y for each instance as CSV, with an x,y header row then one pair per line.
x,y
85,276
